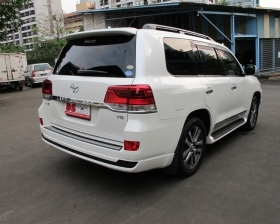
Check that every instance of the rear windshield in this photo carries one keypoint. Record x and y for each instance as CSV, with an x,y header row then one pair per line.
x,y
41,67
101,56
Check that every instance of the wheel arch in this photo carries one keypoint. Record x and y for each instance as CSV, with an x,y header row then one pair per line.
x,y
258,94
204,116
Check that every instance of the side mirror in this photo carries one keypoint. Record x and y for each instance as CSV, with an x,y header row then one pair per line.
x,y
250,69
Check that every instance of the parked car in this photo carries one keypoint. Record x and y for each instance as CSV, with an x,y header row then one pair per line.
x,y
140,99
37,73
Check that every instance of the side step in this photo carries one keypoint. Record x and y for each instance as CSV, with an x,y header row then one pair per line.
x,y
227,129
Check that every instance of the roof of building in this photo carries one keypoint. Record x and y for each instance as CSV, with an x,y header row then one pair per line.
x,y
70,14
186,6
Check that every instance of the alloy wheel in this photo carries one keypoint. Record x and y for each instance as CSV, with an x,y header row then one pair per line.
x,y
254,113
193,147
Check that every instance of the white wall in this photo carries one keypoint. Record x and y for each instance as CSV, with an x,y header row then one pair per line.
x,y
270,3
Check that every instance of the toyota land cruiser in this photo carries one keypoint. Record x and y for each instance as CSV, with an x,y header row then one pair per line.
x,y
139,99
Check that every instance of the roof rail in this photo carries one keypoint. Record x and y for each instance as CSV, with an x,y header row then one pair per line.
x,y
175,30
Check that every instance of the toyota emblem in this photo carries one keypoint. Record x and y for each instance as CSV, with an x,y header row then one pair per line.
x,y
74,88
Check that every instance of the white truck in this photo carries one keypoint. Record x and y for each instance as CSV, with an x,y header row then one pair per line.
x,y
12,66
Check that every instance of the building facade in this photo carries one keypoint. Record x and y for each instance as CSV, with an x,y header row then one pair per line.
x,y
252,33
73,22
31,15
84,5
244,3
106,4
255,3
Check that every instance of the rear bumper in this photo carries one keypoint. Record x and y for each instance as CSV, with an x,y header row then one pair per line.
x,y
113,163
38,79
158,141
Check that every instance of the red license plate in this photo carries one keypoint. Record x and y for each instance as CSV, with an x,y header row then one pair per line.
x,y
78,110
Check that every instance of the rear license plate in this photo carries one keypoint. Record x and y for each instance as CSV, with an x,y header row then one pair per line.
x,y
43,74
78,110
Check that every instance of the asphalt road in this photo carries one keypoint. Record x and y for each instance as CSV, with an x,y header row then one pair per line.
x,y
238,182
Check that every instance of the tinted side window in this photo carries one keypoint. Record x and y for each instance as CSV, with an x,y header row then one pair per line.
x,y
210,60
179,57
199,63
230,64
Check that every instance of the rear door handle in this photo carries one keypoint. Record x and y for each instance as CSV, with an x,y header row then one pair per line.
x,y
209,90
233,87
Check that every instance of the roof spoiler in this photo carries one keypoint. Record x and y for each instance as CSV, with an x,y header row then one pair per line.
x,y
175,30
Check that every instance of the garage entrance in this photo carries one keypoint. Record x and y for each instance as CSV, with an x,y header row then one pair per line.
x,y
245,50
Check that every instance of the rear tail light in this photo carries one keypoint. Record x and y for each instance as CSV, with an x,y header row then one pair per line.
x,y
41,121
131,98
131,145
47,89
32,73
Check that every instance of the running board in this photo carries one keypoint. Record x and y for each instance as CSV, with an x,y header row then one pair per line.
x,y
228,129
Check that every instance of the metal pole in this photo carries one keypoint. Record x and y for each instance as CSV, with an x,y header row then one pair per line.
x,y
273,54
232,30
257,46
106,22
216,27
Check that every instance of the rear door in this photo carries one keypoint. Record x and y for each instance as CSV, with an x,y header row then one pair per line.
x,y
5,66
16,67
216,86
86,68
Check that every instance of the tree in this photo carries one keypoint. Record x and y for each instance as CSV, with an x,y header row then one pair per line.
x,y
222,2
51,27
81,28
10,19
45,51
10,48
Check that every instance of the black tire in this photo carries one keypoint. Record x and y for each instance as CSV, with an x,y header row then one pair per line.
x,y
192,146
20,88
253,115
31,84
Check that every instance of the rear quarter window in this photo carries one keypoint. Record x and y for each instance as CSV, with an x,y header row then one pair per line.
x,y
179,57
100,56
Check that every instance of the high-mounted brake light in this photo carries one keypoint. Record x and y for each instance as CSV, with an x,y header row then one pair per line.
x,y
131,98
47,89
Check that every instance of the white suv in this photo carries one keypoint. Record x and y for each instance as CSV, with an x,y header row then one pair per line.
x,y
37,73
139,99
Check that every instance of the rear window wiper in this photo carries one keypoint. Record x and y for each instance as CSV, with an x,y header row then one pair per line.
x,y
90,71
